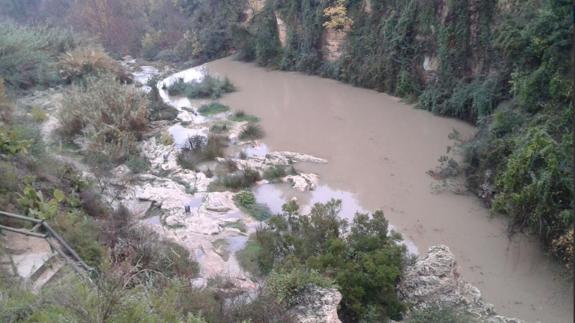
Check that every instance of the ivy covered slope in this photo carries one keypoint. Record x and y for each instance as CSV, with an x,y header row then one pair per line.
x,y
502,65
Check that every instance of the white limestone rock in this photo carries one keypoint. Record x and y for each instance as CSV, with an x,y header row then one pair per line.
x,y
434,279
317,305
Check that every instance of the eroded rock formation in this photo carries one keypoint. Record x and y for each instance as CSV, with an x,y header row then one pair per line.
x,y
317,305
435,279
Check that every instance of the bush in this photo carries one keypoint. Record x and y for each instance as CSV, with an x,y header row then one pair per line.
x,y
109,115
28,54
145,250
220,127
248,257
138,164
535,188
241,116
236,181
252,132
83,62
199,149
213,108
287,285
81,232
246,201
208,87
38,115
275,173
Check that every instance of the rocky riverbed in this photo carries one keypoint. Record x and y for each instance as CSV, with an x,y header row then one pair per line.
x,y
214,228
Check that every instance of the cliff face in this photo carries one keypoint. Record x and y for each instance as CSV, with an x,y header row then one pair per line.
x,y
397,47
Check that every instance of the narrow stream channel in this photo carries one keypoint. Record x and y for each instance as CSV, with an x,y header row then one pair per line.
x,y
379,150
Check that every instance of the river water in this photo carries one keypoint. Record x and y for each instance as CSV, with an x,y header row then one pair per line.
x,y
379,149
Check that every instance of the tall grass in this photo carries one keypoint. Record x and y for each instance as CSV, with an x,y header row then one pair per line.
x,y
28,54
198,149
109,115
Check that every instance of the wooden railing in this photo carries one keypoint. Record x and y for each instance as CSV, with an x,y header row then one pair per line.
x,y
43,230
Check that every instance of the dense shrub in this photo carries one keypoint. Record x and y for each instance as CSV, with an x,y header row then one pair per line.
x,y
81,232
237,180
246,201
252,132
28,54
109,115
145,250
208,87
241,116
212,109
275,173
287,285
82,62
200,149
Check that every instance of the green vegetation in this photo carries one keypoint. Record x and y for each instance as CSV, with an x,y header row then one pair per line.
x,y
438,314
201,149
364,260
208,87
138,164
275,173
246,201
239,225
213,108
109,115
220,127
252,132
248,257
241,179
240,116
162,30
28,55
77,64
287,284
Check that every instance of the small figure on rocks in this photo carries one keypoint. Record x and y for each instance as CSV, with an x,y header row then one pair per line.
x,y
187,209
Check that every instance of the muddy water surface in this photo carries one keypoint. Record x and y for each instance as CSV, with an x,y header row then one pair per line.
x,y
380,149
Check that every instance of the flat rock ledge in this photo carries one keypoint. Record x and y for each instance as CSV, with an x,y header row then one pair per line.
x,y
317,305
434,279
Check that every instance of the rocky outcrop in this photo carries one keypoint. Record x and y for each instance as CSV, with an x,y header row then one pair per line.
x,y
434,279
317,305
282,30
302,182
332,43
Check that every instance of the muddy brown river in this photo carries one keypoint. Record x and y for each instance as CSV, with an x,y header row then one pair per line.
x,y
379,149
